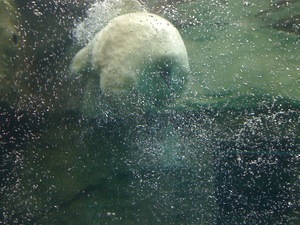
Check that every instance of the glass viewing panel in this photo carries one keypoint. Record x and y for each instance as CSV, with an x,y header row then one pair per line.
x,y
150,112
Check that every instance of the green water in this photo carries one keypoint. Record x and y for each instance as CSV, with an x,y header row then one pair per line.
x,y
166,169
226,152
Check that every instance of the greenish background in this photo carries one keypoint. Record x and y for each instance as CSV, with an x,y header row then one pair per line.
x,y
227,152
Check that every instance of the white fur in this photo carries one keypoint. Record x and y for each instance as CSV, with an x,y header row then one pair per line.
x,y
132,56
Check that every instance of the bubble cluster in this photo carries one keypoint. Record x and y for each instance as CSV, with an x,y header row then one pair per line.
x,y
97,17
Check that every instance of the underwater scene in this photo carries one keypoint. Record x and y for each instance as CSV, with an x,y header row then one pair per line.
x,y
146,112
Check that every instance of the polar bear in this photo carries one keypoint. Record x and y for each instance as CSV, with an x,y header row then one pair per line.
x,y
9,49
140,59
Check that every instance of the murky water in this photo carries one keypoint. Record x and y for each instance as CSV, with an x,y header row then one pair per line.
x,y
226,152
